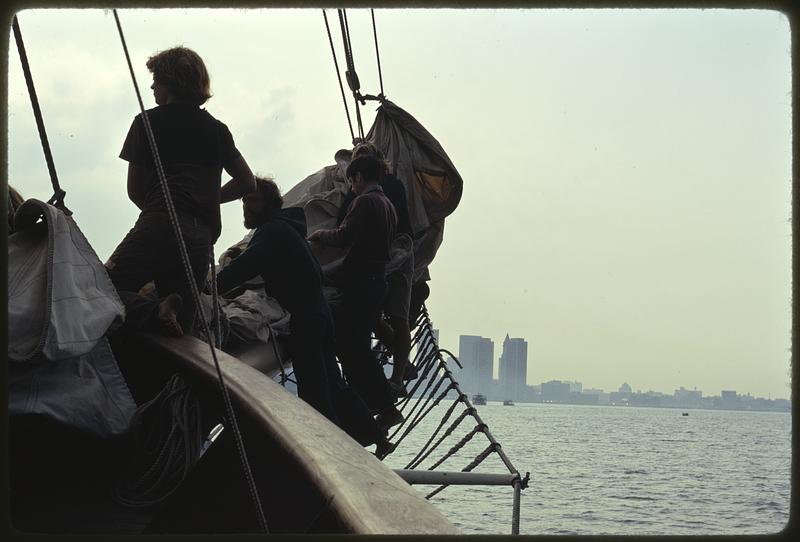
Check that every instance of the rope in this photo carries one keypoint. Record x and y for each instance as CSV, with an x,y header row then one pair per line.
x,y
272,340
58,192
215,304
422,415
433,435
447,433
457,446
167,431
377,53
193,284
339,77
350,74
474,463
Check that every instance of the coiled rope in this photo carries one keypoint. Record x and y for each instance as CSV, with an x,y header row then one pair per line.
x,y
231,415
168,430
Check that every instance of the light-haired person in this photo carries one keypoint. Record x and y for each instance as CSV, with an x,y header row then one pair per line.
x,y
194,148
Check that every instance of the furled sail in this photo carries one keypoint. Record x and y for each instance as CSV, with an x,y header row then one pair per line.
x,y
433,185
61,305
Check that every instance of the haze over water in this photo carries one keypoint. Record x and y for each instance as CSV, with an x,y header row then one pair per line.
x,y
622,471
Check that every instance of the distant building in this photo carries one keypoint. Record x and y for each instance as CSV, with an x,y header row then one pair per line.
x,y
575,387
513,370
688,398
555,391
476,355
730,399
602,398
625,388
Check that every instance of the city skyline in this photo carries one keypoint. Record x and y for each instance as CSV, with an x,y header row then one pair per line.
x,y
480,349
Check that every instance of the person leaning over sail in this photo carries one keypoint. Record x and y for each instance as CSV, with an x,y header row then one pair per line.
x,y
279,253
367,229
194,148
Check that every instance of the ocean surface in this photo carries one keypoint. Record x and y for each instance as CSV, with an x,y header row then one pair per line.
x,y
618,470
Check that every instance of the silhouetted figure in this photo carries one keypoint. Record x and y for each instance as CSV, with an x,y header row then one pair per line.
x,y
279,253
367,229
194,148
396,333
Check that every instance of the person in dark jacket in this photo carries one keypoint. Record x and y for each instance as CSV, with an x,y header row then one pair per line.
x,y
279,253
396,333
368,230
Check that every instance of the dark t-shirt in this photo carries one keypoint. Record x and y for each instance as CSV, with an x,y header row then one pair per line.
x,y
194,147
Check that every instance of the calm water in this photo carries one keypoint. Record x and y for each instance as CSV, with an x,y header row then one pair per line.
x,y
616,470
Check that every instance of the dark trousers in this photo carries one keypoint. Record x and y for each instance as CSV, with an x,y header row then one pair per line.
x,y
355,318
149,252
319,382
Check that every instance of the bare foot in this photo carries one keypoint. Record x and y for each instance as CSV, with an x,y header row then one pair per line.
x,y
168,315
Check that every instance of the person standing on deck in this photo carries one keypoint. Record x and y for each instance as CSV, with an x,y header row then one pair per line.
x,y
396,334
279,253
194,148
368,230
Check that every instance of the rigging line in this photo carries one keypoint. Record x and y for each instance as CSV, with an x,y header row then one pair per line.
x,y
427,449
422,406
475,462
339,77
350,74
421,415
377,53
456,447
506,461
215,298
453,426
193,285
58,192
272,339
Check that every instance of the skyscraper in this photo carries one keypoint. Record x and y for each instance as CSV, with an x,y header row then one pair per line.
x,y
514,368
476,355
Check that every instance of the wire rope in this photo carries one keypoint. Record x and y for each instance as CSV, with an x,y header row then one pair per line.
x,y
58,192
193,285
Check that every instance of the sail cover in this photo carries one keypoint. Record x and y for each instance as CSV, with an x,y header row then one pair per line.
x,y
61,304
60,299
433,185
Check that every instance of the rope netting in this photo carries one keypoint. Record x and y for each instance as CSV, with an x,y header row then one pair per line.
x,y
459,439
434,384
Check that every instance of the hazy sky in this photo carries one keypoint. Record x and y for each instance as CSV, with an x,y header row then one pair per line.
x,y
627,173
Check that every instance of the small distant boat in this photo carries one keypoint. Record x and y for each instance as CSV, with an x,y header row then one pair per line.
x,y
478,399
508,402
685,414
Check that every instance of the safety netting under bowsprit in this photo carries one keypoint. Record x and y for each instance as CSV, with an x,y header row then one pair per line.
x,y
442,430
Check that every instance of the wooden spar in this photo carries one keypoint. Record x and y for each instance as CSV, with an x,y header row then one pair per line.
x,y
456,478
365,496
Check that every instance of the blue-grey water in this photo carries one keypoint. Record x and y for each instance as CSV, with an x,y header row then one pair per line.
x,y
620,470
